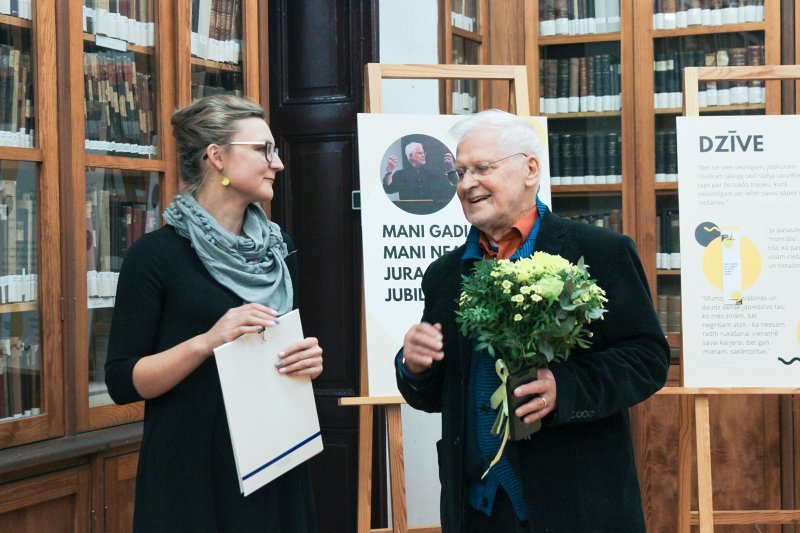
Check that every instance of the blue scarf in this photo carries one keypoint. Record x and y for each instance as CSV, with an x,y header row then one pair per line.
x,y
252,267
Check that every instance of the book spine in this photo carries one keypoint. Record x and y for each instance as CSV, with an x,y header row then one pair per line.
x,y
583,84
562,101
591,158
560,9
574,85
661,161
579,158
671,156
547,18
554,153
567,160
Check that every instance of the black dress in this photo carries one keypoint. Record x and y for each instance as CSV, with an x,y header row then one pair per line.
x,y
187,479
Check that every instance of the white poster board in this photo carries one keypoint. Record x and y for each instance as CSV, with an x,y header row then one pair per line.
x,y
402,237
739,197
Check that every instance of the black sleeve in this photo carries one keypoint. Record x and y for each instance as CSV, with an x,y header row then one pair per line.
x,y
294,269
136,317
629,357
425,394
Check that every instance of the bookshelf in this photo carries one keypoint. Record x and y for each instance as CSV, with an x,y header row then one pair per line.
x,y
109,75
462,42
579,78
670,35
87,164
681,34
117,63
31,379
661,37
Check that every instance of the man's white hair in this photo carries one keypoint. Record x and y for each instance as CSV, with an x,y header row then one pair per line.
x,y
514,133
410,147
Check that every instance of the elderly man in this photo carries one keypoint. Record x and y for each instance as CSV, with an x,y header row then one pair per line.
x,y
417,182
577,474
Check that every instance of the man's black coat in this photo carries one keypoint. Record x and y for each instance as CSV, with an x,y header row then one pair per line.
x,y
578,472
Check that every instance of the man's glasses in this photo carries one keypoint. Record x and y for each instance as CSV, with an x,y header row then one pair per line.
x,y
478,169
267,148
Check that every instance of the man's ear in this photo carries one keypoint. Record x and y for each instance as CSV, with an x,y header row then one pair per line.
x,y
532,178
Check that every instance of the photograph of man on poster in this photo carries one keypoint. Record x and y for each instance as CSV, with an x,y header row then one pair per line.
x,y
421,186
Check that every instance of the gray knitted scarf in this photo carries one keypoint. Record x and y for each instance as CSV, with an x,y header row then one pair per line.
x,y
252,266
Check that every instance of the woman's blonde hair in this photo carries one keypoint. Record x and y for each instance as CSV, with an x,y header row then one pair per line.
x,y
205,121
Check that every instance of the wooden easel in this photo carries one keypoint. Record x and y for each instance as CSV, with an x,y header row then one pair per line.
x,y
373,101
694,402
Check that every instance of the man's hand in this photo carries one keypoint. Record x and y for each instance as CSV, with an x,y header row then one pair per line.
x,y
544,403
422,346
391,164
448,161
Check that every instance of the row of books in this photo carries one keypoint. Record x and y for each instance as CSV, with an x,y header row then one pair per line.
x,y
585,158
16,97
459,20
669,312
579,84
97,354
20,378
671,14
666,156
120,108
132,21
210,82
113,224
100,285
464,103
18,242
578,17
17,8
15,288
217,30
611,219
668,239
669,67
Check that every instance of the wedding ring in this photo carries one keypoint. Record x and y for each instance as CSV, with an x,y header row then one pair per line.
x,y
544,402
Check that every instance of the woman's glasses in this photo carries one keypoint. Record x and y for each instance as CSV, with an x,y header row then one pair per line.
x,y
267,148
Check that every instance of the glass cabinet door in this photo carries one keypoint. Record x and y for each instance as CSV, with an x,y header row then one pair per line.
x,y
20,326
216,44
17,76
671,54
31,392
121,206
116,182
581,91
463,36
119,71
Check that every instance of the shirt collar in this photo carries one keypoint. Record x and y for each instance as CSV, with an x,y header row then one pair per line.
x,y
474,250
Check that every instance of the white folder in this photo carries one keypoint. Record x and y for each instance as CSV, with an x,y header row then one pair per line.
x,y
272,417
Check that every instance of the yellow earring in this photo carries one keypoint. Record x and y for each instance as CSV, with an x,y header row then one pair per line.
x,y
225,181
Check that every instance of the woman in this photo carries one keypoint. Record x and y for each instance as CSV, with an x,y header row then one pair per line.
x,y
217,270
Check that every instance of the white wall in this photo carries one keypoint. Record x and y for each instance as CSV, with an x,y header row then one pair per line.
x,y
409,34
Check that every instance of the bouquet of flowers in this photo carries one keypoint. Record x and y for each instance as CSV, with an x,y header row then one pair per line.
x,y
527,312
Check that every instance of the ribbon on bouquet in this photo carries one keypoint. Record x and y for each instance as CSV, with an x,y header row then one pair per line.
x,y
499,402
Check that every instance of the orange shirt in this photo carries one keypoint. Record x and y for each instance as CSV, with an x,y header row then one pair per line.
x,y
513,239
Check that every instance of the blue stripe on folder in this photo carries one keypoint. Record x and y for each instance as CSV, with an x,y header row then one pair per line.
x,y
281,456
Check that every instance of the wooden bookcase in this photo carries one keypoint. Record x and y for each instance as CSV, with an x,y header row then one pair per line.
x,y
96,173
32,385
462,35
590,115
761,452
